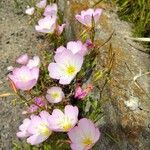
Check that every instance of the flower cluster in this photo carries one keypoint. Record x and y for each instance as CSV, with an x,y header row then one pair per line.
x,y
48,24
26,77
45,118
38,128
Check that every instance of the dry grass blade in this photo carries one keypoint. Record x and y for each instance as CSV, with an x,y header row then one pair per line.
x,y
139,39
6,95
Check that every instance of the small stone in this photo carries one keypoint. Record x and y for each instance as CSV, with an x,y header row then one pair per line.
x,y
10,68
133,103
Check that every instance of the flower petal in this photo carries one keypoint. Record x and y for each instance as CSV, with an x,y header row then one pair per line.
x,y
72,113
54,71
36,139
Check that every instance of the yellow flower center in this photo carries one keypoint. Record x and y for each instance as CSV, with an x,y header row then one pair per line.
x,y
55,95
87,142
44,130
71,70
66,124
46,25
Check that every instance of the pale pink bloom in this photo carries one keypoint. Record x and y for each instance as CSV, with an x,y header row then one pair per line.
x,y
23,133
41,4
63,122
84,136
39,128
66,67
24,78
77,47
60,49
30,11
60,28
55,95
46,25
82,93
51,10
23,59
87,16
34,62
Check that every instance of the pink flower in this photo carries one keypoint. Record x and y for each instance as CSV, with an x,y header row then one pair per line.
x,y
84,136
63,122
34,62
39,101
23,133
82,93
55,95
41,4
39,128
60,49
24,78
89,44
32,108
46,25
23,59
86,16
66,67
60,29
51,10
30,11
77,47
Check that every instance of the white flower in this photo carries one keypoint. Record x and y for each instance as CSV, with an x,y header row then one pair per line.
x,y
30,11
55,95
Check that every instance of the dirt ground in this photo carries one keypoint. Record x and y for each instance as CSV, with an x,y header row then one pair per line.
x,y
16,37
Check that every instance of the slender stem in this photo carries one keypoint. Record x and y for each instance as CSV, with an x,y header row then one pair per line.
x,y
93,34
97,3
106,40
84,31
110,137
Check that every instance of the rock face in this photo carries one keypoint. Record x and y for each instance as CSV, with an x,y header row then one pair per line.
x,y
125,125
126,113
